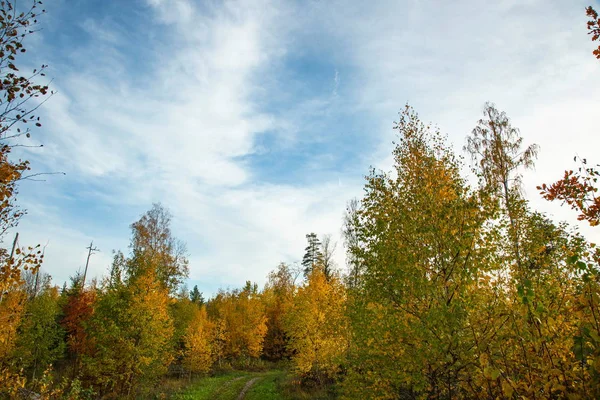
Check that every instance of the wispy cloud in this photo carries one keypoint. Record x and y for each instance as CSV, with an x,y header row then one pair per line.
x,y
234,115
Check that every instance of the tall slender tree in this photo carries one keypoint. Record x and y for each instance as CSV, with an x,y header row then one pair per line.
x,y
328,250
497,149
154,248
352,242
312,253
277,297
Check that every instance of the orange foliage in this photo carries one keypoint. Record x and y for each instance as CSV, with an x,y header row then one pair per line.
x,y
578,190
593,26
78,310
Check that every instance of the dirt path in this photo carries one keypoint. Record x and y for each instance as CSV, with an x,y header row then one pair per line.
x,y
225,385
246,388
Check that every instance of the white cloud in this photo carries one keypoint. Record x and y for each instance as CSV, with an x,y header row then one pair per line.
x,y
176,128
177,139
253,229
533,59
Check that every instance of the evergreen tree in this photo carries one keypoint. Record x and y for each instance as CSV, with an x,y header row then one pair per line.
x,y
196,296
312,253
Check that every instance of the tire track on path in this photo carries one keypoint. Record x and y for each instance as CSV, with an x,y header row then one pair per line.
x,y
216,394
247,387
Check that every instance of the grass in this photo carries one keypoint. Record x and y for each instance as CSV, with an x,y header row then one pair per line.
x,y
269,385
214,387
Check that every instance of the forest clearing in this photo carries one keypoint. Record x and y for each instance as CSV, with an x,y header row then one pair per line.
x,y
247,385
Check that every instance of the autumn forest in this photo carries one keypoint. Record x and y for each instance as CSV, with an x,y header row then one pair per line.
x,y
454,286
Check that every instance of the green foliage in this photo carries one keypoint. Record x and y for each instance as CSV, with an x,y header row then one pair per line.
x,y
216,387
40,339
132,331
467,293
277,297
196,296
272,385
182,312
418,231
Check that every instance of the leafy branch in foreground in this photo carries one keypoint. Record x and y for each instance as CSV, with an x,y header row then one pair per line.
x,y
579,190
593,26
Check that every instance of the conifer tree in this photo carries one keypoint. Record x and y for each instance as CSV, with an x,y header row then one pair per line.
x,y
196,296
312,253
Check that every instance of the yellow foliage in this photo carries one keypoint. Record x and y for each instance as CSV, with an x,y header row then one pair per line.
x,y
131,330
242,322
317,326
277,297
11,312
10,382
468,293
199,352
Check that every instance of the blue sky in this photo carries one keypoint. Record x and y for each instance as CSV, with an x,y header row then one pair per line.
x,y
254,122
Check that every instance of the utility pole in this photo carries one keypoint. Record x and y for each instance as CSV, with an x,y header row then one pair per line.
x,y
91,251
12,252
35,286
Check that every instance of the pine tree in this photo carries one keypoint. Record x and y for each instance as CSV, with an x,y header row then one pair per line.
x,y
196,296
312,253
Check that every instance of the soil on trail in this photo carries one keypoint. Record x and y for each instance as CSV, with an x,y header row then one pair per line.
x,y
223,388
237,385
246,388
272,384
